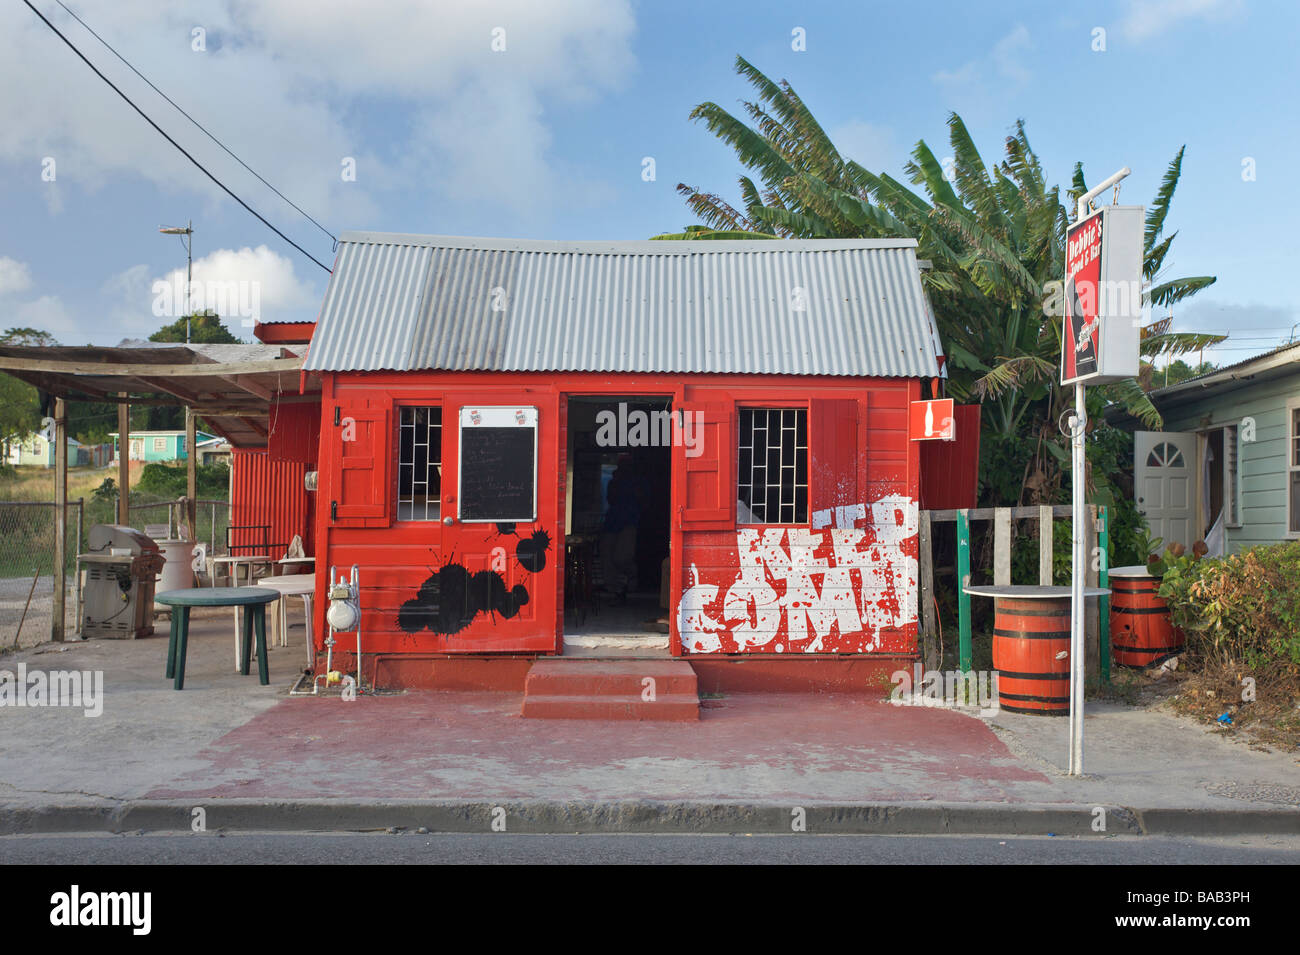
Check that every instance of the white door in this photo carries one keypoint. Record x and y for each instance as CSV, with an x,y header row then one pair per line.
x,y
1164,468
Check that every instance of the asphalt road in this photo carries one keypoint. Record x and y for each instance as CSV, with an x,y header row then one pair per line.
x,y
495,848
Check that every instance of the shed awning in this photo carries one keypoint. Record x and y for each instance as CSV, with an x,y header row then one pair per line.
x,y
230,386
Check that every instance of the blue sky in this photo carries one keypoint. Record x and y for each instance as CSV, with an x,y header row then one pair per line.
x,y
547,138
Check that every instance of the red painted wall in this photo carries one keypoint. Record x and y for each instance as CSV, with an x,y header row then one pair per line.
x,y
950,469
864,484
267,492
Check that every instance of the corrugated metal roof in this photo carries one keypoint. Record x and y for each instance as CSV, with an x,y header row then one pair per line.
x,y
813,307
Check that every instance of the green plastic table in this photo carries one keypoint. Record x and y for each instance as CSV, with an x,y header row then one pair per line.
x,y
252,599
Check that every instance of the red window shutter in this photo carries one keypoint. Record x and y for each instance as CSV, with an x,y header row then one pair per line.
x,y
710,485
364,436
833,453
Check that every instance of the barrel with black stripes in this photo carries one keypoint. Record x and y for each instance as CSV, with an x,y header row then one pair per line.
x,y
1031,654
1141,634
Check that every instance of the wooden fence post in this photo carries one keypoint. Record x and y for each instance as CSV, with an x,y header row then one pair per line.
x,y
929,627
60,520
1045,575
965,658
1002,547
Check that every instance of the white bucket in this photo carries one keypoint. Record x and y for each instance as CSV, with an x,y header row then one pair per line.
x,y
177,574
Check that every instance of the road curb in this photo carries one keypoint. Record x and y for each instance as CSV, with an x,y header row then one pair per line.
x,y
638,816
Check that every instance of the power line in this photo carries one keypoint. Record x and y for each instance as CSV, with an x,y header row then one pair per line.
x,y
164,135
110,49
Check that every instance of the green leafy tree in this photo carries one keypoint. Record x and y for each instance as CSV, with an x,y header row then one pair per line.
x,y
205,329
20,403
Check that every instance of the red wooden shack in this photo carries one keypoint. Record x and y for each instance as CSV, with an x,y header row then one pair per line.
x,y
496,414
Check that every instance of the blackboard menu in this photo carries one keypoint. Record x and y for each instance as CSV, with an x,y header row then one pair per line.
x,y
498,464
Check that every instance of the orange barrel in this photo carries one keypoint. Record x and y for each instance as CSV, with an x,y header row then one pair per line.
x,y
1140,631
1031,654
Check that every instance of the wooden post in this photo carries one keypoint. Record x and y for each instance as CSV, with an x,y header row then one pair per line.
x,y
1045,545
1091,634
123,462
965,657
191,475
1002,547
929,628
60,519
1103,581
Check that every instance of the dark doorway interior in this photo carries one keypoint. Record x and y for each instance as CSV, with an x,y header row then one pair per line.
x,y
1214,456
618,491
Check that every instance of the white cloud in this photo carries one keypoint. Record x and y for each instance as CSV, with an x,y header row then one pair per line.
x,y
15,276
1147,18
48,314
869,145
231,281
291,88
1004,62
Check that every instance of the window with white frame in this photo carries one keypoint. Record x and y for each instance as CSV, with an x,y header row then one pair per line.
x,y
1293,467
419,464
772,468
160,444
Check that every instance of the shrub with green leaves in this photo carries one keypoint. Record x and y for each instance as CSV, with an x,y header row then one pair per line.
x,y
1243,608
169,481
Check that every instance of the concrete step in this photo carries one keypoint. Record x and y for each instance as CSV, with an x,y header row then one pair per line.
x,y
611,690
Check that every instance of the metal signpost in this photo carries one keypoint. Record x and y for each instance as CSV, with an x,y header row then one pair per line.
x,y
1099,343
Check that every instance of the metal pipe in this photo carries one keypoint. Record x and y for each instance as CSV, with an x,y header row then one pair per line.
x,y
1078,567
1078,515
356,594
1099,189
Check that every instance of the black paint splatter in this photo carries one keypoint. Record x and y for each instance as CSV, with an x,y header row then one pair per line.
x,y
452,597
531,551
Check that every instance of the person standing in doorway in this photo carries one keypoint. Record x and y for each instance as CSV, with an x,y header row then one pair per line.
x,y
618,539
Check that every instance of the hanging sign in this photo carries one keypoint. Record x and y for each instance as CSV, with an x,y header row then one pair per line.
x,y
1102,296
931,420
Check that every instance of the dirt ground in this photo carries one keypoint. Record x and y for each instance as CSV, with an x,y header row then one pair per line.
x,y
36,625
1257,709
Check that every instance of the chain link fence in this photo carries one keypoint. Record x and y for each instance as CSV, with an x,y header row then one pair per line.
x,y
27,532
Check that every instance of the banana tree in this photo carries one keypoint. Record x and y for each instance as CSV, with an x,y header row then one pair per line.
x,y
994,236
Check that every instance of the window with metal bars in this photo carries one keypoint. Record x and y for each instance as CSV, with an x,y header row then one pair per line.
x,y
772,468
419,464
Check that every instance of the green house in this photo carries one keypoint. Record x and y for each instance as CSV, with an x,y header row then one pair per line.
x,y
1226,469
33,450
158,445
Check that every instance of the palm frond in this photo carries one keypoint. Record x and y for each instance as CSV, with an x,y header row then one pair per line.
x,y
1179,343
1176,290
1014,373
693,233
753,150
1128,392
1159,210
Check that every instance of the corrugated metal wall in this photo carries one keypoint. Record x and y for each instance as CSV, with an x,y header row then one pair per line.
x,y
295,431
270,493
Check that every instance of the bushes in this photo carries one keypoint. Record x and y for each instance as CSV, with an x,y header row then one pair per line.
x,y
1244,608
168,481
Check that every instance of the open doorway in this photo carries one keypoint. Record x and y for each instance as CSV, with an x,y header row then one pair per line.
x,y
618,488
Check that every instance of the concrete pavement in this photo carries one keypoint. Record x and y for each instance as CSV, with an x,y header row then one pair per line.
x,y
251,758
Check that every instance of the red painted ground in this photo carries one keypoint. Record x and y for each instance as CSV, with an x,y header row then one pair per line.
x,y
447,745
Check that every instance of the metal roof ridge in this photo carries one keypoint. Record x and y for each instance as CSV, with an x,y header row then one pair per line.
x,y
621,246
1234,372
